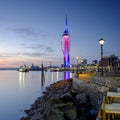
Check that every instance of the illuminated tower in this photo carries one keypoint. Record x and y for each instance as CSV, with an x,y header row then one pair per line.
x,y
66,46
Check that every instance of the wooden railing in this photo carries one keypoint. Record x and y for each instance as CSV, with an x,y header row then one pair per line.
x,y
109,109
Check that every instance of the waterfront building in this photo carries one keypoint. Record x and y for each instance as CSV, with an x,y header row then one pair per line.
x,y
94,62
83,61
65,43
34,68
110,63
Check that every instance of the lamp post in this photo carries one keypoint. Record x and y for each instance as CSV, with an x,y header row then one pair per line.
x,y
77,59
101,41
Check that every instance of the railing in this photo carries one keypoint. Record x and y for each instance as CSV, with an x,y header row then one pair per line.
x,y
109,109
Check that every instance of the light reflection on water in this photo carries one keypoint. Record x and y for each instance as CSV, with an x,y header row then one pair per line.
x,y
67,75
23,78
19,90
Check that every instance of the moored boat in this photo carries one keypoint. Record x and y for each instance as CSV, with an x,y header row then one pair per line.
x,y
23,69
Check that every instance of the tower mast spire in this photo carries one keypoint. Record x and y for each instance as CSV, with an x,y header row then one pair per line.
x,y
66,25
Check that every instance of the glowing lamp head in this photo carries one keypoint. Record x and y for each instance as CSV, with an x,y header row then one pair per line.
x,y
101,41
77,57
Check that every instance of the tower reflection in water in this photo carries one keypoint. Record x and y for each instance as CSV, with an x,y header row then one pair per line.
x,y
42,78
67,75
23,77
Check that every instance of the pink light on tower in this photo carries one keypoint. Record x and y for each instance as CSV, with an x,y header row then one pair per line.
x,y
66,46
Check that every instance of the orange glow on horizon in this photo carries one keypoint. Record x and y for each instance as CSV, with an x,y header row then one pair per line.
x,y
16,62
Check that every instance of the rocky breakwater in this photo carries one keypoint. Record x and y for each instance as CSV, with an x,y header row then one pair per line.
x,y
62,102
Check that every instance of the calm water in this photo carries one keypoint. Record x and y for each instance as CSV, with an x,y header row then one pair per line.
x,y
19,90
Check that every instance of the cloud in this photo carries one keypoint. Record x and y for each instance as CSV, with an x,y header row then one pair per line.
x,y
31,54
34,54
37,50
29,33
5,55
25,31
41,47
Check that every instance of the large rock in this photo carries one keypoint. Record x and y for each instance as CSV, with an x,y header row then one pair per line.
x,y
63,106
66,98
71,113
55,114
81,97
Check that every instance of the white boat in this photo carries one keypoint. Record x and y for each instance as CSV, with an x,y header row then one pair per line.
x,y
23,69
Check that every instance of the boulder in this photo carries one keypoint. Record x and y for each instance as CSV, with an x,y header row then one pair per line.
x,y
55,114
81,97
71,113
66,98
64,106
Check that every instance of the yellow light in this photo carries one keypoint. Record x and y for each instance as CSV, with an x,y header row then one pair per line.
x,y
77,57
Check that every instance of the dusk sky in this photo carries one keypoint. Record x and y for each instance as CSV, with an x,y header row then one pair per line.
x,y
31,30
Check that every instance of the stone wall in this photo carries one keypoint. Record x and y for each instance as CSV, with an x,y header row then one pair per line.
x,y
112,83
94,91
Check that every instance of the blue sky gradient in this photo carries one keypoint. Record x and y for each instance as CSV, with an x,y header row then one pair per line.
x,y
31,30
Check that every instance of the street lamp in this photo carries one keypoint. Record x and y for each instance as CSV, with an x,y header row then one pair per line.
x,y
101,41
77,57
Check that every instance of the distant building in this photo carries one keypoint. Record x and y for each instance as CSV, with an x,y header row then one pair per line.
x,y
94,62
83,61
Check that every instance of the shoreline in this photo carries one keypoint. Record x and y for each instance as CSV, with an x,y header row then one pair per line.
x,y
62,101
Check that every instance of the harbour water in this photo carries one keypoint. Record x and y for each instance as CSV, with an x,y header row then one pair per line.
x,y
19,90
